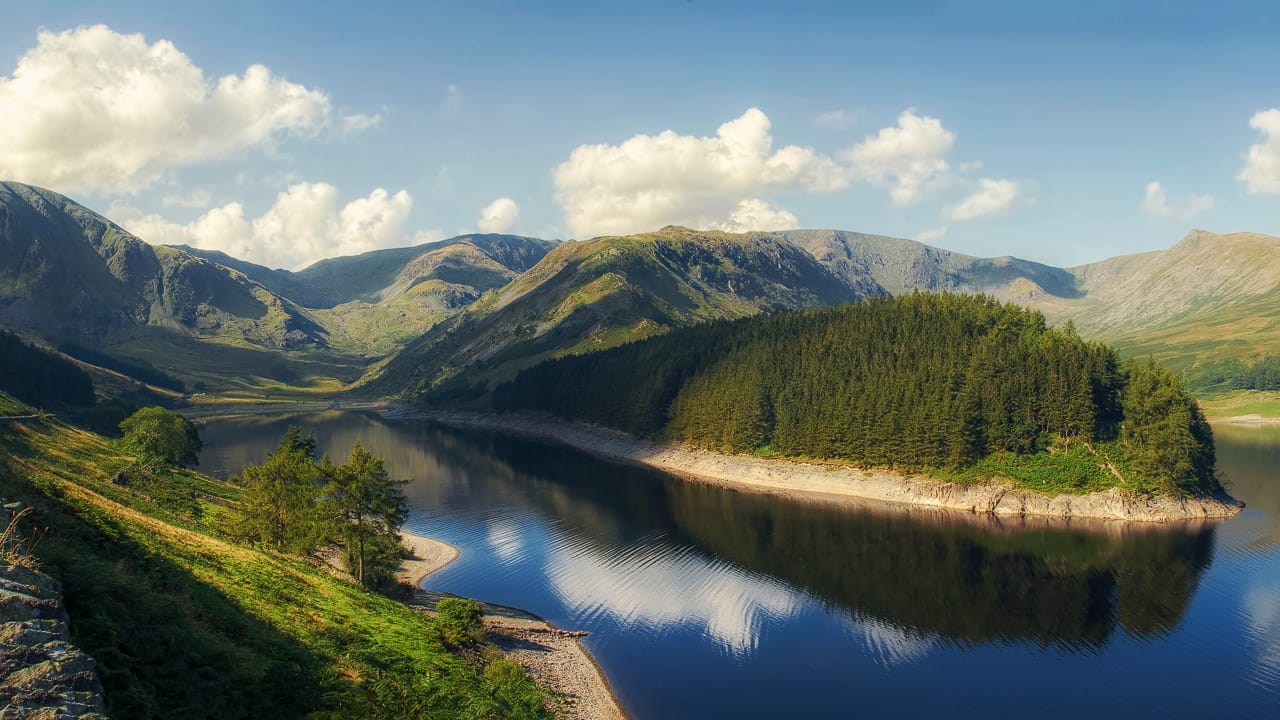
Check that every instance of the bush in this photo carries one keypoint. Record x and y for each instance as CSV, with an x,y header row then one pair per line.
x,y
459,621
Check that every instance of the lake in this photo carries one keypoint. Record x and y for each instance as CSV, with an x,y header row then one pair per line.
x,y
704,602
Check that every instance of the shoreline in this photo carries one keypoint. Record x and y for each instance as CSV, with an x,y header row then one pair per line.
x,y
1250,420
804,480
554,658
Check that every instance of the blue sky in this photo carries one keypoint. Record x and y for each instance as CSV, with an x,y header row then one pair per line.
x,y
987,128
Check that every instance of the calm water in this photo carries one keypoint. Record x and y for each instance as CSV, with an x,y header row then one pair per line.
x,y
702,602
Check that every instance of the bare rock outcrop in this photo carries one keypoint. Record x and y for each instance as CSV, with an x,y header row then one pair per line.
x,y
42,675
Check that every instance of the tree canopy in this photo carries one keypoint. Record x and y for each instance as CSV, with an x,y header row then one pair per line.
x,y
41,378
158,433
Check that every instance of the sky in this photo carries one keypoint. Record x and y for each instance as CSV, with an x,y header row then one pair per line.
x,y
286,132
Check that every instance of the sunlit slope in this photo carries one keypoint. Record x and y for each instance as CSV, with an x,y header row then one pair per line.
x,y
1210,297
184,624
599,293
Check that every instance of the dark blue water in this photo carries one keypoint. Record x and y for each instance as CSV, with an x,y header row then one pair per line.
x,y
702,602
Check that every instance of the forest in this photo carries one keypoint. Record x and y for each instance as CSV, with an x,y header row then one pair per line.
x,y
923,382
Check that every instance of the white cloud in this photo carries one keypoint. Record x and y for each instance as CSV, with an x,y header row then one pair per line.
x,y
91,109
1262,167
932,234
1155,204
992,198
199,198
654,180
838,119
756,214
304,225
905,158
498,215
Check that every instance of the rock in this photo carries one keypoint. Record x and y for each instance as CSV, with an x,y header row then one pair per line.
x,y
42,675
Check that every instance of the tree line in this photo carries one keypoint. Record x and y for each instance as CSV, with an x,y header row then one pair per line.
x,y
918,382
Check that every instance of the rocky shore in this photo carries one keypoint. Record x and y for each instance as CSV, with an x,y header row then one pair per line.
x,y
554,658
802,479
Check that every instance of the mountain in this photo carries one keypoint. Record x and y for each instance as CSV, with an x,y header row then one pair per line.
x,y
901,266
375,302
70,275
606,291
1209,297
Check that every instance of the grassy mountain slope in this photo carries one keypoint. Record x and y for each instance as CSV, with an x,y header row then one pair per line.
x,y
375,302
603,292
1209,297
184,624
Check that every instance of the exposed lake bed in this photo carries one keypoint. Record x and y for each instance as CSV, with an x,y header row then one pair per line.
x,y
701,601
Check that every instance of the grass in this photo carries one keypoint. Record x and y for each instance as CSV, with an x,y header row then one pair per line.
x,y
1242,402
1077,469
185,624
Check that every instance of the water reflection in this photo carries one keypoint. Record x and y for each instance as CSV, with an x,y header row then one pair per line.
x,y
641,550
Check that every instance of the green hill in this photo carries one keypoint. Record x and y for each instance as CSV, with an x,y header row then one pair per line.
x,y
599,293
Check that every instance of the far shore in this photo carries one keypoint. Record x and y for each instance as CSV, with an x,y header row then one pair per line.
x,y
796,479
1252,419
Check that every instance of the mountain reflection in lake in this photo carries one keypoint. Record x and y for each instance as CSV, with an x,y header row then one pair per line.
x,y
703,602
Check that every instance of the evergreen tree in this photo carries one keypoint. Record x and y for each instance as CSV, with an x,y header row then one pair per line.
x,y
365,506
279,507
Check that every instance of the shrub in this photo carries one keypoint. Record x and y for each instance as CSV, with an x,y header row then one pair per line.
x,y
459,621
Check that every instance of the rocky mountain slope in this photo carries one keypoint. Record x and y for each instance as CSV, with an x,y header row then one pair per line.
x,y
68,274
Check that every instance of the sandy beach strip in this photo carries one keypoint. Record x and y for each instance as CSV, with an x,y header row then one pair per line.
x,y
427,555
801,480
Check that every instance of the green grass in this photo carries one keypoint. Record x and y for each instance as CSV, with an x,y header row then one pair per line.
x,y
1075,470
1242,402
185,624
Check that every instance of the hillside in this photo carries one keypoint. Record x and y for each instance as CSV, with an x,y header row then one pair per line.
x,y
598,293
375,302
1209,297
69,275
182,623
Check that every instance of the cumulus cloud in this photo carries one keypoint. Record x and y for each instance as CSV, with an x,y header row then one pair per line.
x,y
1155,204
305,224
838,119
91,109
932,234
756,214
498,216
992,198
654,180
905,158
1262,165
